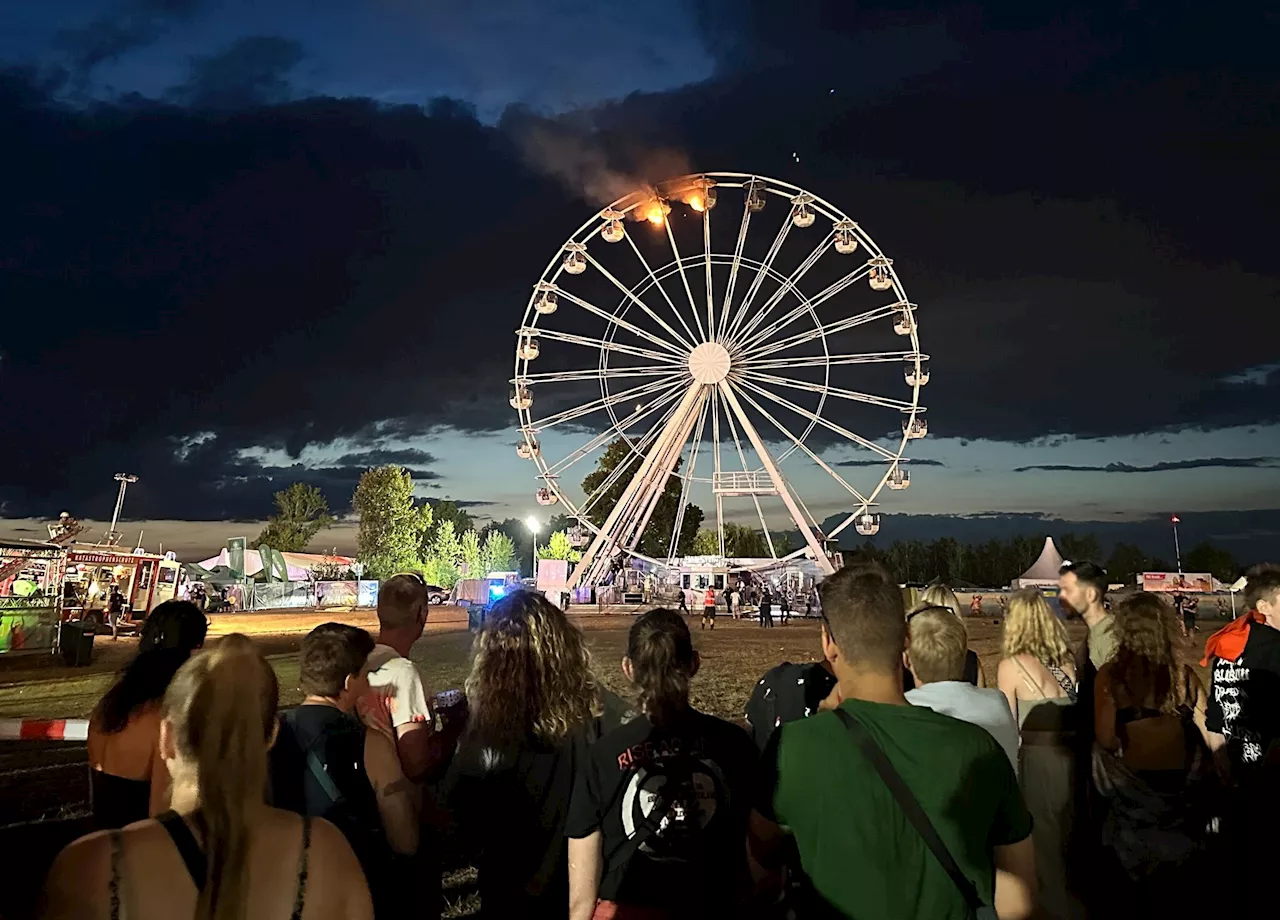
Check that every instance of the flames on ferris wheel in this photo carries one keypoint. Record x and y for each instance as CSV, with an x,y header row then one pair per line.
x,y
719,317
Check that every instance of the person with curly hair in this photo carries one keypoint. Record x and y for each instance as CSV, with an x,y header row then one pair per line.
x,y
535,705
1038,677
1149,722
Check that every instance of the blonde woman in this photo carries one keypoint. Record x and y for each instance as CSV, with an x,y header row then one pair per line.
x,y
1038,677
942,596
221,853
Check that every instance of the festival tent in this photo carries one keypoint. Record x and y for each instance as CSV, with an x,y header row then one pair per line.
x,y
299,564
1044,571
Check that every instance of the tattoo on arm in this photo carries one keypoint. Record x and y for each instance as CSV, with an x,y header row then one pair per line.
x,y
396,787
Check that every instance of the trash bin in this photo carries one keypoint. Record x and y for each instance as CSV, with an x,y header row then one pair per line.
x,y
75,641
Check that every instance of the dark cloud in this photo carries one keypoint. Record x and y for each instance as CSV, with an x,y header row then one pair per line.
x,y
131,25
1163,467
881,463
369,458
252,71
286,275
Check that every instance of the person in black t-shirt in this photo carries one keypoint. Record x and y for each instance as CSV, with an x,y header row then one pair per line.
x,y
785,694
657,823
534,708
329,763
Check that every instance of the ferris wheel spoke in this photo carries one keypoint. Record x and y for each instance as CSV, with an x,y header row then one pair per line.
x,y
819,332
615,430
596,373
605,344
733,280
742,458
596,405
762,271
822,389
787,286
814,417
638,302
716,469
706,253
687,480
786,432
813,302
684,279
638,449
779,482
665,466
870,357
661,289
622,323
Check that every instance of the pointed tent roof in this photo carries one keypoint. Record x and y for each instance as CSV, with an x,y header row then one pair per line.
x,y
1044,569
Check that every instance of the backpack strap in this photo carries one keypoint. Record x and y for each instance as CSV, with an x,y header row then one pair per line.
x,y
314,764
911,809
185,841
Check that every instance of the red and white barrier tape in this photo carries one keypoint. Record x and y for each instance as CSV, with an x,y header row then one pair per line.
x,y
44,729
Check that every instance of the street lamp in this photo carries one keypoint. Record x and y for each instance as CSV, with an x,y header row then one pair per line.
x,y
113,535
534,526
1177,550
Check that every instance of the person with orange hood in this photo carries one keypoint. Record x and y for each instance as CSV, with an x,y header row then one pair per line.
x,y
1244,694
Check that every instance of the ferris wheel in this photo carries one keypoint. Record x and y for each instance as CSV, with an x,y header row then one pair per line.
x,y
747,371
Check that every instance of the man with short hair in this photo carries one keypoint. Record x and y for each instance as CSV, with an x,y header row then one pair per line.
x,y
1082,586
861,855
329,764
937,645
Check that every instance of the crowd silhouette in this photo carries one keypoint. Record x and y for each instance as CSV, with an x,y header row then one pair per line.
x,y
884,779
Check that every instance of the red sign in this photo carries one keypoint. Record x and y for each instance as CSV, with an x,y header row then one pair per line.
x,y
107,558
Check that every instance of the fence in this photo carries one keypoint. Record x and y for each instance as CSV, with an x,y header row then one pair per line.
x,y
314,594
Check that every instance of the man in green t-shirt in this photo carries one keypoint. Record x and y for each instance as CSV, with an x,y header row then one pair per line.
x,y
860,854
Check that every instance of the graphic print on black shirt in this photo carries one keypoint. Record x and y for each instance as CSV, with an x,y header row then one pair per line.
x,y
1244,697
785,694
671,806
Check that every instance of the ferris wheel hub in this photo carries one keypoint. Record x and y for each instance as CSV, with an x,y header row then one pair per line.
x,y
709,363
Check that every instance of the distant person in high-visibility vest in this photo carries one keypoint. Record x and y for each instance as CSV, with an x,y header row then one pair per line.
x,y
709,608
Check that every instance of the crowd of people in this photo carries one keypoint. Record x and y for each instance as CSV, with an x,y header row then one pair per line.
x,y
885,779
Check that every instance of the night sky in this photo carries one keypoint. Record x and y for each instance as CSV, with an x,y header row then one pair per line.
x,y
247,243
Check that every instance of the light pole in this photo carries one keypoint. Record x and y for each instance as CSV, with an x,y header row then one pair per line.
x,y
113,535
1177,552
534,526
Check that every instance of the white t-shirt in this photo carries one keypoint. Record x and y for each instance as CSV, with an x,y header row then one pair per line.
x,y
983,706
388,668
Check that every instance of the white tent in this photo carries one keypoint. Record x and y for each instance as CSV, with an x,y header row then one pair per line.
x,y
298,564
1044,571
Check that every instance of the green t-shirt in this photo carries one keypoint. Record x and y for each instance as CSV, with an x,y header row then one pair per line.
x,y
859,851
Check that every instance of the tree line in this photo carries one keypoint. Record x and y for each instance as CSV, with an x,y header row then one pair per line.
x,y
399,533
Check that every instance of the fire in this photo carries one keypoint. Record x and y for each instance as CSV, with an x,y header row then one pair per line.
x,y
654,214
696,203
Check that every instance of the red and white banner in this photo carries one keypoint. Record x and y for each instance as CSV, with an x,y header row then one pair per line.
x,y
1188,582
44,729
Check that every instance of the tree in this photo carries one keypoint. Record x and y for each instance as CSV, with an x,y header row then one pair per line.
x,y
448,510
656,539
559,546
1125,562
1205,557
440,565
743,542
390,524
301,513
706,543
1082,548
473,555
499,552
